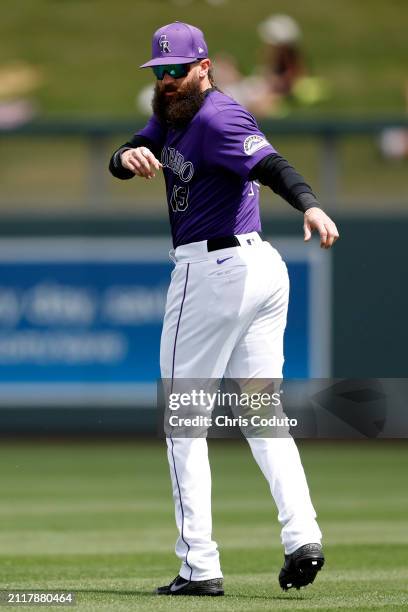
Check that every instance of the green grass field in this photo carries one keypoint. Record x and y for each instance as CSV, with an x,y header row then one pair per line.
x,y
97,518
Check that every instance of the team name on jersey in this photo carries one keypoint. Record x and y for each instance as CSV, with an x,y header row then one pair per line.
x,y
171,158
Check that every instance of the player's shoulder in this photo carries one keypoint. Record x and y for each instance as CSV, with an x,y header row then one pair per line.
x,y
221,109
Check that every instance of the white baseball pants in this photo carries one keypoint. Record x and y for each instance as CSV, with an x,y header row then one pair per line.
x,y
225,316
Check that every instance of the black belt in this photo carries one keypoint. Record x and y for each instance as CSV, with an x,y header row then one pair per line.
x,y
224,242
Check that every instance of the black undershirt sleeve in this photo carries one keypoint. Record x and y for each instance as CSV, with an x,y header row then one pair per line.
x,y
115,165
275,172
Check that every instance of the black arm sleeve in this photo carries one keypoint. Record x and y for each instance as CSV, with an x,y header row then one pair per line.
x,y
275,172
115,165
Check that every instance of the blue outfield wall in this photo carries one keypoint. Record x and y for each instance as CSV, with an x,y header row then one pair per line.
x,y
357,326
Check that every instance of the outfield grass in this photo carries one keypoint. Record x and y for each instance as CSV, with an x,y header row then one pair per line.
x,y
98,519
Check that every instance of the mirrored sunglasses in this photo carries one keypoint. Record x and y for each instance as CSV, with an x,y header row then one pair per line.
x,y
177,71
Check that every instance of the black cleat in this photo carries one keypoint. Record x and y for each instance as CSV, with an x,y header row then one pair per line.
x,y
300,568
180,586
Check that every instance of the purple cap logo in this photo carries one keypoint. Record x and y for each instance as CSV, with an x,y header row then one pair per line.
x,y
177,43
164,44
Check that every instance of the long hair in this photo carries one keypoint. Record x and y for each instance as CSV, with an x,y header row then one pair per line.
x,y
211,78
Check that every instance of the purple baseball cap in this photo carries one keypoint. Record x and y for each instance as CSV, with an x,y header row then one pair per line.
x,y
177,43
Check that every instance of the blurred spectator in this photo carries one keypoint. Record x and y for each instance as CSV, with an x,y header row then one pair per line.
x,y
281,80
283,63
144,99
284,69
394,141
249,91
227,70
17,81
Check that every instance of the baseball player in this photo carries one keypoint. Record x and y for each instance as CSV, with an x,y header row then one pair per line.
x,y
227,301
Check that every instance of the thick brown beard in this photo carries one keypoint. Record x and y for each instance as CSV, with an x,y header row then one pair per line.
x,y
179,109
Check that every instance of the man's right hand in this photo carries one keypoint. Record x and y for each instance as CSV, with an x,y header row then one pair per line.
x,y
141,161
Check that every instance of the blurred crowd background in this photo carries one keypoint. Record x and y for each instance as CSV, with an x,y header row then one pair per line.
x,y
328,84
328,74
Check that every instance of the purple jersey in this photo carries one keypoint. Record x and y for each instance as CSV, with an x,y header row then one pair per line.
x,y
206,167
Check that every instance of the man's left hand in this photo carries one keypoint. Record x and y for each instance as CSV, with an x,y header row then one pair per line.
x,y
316,219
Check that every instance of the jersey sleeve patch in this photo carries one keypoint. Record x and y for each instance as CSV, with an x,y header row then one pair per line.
x,y
254,143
